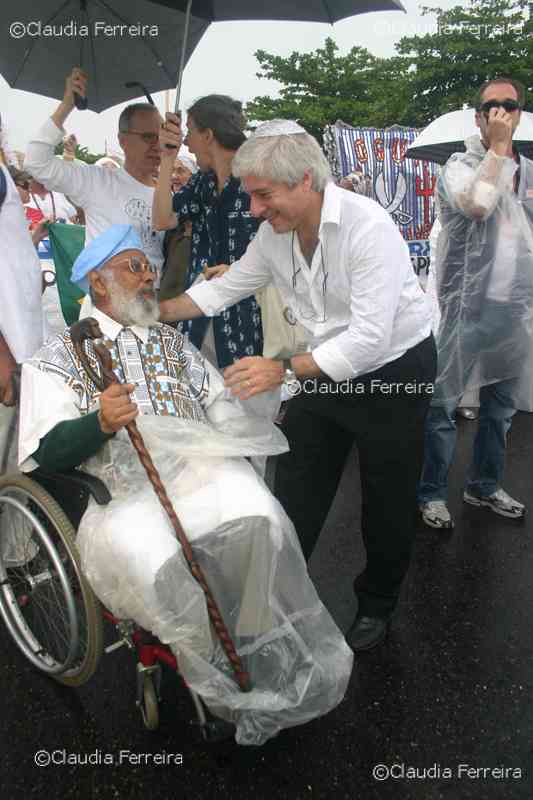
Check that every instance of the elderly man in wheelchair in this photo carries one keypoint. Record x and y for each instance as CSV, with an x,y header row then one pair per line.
x,y
203,443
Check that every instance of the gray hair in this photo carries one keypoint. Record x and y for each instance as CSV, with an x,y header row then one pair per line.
x,y
283,159
124,121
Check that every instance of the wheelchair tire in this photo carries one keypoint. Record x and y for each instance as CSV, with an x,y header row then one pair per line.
x,y
150,705
65,641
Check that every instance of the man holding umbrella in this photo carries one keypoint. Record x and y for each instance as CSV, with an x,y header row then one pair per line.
x,y
485,289
344,273
108,197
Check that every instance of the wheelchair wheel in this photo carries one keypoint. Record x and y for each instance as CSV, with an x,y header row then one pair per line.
x,y
46,603
149,705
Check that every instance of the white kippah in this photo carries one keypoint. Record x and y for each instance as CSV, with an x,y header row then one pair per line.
x,y
278,127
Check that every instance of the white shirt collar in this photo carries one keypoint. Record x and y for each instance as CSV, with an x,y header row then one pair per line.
x,y
111,328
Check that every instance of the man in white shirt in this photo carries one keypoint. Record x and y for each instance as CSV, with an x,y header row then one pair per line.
x,y
108,197
484,279
344,273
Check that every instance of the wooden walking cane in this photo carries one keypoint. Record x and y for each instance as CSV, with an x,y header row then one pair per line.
x,y
89,329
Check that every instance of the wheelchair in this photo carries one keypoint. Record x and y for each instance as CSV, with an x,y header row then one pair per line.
x,y
48,606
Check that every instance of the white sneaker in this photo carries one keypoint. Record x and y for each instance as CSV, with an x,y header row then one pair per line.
x,y
435,514
499,502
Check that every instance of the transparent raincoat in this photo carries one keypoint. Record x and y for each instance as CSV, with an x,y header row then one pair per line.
x,y
297,658
484,271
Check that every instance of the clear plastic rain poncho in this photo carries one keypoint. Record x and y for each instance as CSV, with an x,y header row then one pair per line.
x,y
484,271
298,661
297,658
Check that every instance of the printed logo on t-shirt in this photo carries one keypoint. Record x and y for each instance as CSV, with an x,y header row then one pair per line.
x,y
140,214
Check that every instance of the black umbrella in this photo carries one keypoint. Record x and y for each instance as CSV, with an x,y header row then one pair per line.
x,y
118,42
297,10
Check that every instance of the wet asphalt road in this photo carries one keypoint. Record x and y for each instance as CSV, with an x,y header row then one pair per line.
x,y
452,685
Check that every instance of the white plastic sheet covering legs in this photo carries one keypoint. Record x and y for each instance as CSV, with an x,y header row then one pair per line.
x,y
297,658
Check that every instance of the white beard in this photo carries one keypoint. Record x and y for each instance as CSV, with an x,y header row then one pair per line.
x,y
132,308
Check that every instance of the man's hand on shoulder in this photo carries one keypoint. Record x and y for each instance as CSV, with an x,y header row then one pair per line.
x,y
116,407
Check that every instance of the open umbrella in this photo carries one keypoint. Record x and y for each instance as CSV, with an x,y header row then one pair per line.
x,y
446,135
297,10
118,42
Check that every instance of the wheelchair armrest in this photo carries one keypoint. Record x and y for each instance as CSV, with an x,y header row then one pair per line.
x,y
76,478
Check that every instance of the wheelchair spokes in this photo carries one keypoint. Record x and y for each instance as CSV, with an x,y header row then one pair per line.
x,y
49,609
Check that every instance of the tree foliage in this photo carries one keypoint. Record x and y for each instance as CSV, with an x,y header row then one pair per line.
x,y
472,44
82,154
429,75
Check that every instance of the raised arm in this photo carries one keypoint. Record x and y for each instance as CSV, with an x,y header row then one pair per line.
x,y
163,215
56,174
475,192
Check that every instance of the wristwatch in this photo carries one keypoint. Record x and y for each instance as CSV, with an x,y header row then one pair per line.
x,y
288,372
290,381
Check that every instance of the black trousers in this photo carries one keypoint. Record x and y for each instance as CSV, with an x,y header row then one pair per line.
x,y
383,413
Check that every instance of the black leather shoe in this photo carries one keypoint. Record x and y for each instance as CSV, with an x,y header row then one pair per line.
x,y
366,633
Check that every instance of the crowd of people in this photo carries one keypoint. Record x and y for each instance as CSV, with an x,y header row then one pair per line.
x,y
182,240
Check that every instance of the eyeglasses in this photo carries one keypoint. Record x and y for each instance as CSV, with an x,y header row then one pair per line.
x,y
148,137
507,105
138,265
289,315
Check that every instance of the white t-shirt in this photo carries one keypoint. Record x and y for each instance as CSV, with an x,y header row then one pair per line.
x,y
108,196
58,208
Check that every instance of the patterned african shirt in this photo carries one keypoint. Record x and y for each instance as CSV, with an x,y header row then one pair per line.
x,y
222,229
170,376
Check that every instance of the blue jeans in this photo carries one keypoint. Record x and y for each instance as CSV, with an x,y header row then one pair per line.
x,y
495,414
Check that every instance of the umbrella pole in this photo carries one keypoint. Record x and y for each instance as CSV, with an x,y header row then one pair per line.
x,y
182,57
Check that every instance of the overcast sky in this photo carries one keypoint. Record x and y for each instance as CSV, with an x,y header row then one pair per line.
x,y
223,62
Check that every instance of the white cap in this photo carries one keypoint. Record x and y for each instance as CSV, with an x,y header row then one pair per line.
x,y
187,159
278,127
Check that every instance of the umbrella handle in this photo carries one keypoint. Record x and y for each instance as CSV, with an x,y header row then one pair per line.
x,y
182,58
81,103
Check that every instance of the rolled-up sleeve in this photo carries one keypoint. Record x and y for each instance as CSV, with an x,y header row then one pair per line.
x,y
378,262
243,279
476,192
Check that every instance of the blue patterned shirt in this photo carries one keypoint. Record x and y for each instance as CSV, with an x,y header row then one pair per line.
x,y
222,229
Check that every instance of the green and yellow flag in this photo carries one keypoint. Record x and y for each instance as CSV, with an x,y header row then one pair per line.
x,y
67,242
